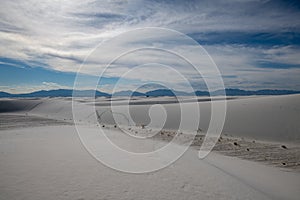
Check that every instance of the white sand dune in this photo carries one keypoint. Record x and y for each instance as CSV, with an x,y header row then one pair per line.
x,y
49,161
273,118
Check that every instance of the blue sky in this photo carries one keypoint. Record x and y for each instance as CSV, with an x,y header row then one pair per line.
x,y
255,44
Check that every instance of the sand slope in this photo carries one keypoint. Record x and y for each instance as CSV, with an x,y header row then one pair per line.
x,y
273,118
50,163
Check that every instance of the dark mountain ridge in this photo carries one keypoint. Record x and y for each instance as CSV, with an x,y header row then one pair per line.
x,y
152,93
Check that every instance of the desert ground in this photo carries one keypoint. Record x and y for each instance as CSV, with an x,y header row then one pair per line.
x,y
256,157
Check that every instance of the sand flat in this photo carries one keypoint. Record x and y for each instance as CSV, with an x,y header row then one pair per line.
x,y
14,120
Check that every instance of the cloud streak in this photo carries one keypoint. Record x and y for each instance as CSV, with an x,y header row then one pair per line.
x,y
251,41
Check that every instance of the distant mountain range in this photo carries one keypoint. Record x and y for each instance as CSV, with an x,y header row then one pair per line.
x,y
58,93
152,93
128,93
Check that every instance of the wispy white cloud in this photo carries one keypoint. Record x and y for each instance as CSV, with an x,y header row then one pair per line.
x,y
27,88
61,34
